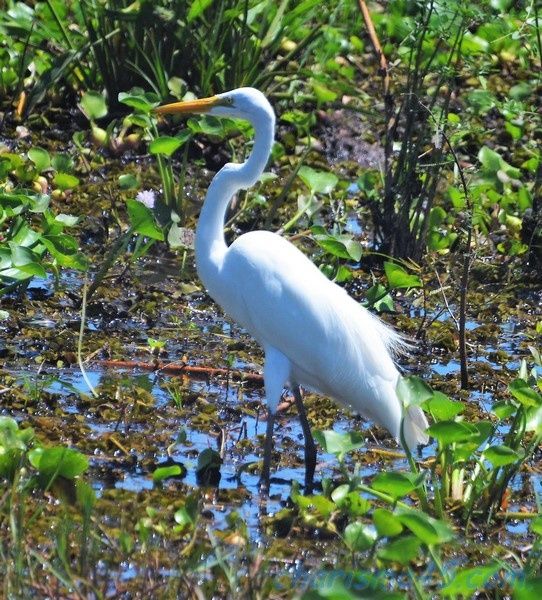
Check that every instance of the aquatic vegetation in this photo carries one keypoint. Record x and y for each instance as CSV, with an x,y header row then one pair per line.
x,y
414,182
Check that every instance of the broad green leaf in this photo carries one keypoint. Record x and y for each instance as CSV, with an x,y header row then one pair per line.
x,y
386,523
65,181
522,392
399,278
94,105
140,100
339,443
378,297
40,157
443,408
67,220
499,456
449,432
128,182
403,550
358,537
319,503
469,581
395,484
527,589
430,531
142,220
350,502
318,182
61,461
413,391
536,525
162,473
165,145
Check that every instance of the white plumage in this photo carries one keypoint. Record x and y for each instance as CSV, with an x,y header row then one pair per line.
x,y
312,332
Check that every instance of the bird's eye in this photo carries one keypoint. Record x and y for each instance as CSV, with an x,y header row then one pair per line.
x,y
229,100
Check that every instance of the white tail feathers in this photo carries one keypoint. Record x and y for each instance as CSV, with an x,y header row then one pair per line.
x,y
414,426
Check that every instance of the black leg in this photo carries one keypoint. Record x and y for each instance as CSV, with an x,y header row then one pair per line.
x,y
268,446
310,446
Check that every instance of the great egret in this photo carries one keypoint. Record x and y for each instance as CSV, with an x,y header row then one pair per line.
x,y
314,335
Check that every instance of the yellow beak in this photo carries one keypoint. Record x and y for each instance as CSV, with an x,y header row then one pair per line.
x,y
190,106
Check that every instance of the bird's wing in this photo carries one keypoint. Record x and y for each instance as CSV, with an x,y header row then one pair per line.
x,y
283,300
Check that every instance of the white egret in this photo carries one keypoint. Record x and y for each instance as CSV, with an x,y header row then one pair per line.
x,y
313,334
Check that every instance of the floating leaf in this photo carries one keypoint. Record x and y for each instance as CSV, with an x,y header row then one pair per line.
x,y
58,461
386,523
399,278
65,181
40,157
428,530
413,391
395,484
339,443
358,537
402,550
318,182
162,473
469,581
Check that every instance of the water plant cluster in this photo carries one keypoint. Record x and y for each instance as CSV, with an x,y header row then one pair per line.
x,y
407,164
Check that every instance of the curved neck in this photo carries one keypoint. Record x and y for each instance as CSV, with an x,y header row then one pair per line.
x,y
210,242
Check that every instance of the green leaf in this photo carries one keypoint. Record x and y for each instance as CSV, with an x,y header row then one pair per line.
x,y
469,581
399,278
162,473
142,220
499,456
351,502
522,392
430,531
40,158
413,391
140,100
65,181
536,525
318,182
339,443
395,484
358,537
197,8
322,505
450,432
527,589
65,462
342,248
128,182
188,514
491,160
322,93
165,145
443,408
386,523
402,550
93,105
378,297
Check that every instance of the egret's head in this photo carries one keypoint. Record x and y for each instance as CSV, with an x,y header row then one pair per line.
x,y
242,103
